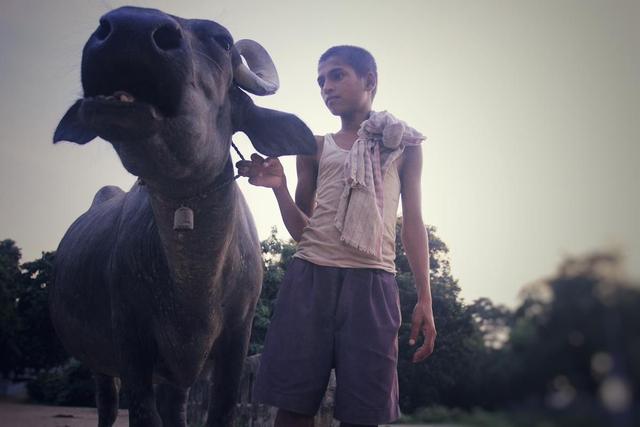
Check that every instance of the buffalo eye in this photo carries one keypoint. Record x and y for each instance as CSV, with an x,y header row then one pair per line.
x,y
224,41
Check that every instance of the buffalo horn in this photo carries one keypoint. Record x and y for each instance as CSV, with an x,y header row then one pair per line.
x,y
259,75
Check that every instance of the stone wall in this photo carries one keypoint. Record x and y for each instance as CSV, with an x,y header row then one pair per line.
x,y
249,414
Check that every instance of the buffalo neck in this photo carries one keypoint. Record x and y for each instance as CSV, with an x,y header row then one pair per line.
x,y
193,256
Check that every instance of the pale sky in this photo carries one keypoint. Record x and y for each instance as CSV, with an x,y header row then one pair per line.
x,y
531,109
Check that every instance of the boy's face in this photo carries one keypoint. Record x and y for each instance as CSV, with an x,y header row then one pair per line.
x,y
343,91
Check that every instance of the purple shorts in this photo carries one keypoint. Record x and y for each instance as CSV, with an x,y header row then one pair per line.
x,y
329,317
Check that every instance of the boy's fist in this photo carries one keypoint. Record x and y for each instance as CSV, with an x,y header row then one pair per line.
x,y
262,172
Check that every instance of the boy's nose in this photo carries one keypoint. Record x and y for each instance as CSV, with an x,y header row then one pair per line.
x,y
327,89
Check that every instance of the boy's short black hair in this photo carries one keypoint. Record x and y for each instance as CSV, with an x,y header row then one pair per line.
x,y
358,58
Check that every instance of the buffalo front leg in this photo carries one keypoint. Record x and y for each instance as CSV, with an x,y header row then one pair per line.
x,y
142,405
106,399
228,360
136,361
172,405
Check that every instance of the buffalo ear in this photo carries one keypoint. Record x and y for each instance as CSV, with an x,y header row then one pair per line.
x,y
272,133
71,127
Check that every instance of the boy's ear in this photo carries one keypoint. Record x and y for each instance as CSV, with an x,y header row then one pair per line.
x,y
371,82
272,133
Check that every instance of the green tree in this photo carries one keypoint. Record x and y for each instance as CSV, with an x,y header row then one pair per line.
x,y
39,345
493,321
27,338
492,366
9,276
445,377
276,254
572,346
442,378
576,332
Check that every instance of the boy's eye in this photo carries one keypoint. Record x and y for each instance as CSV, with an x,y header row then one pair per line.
x,y
321,82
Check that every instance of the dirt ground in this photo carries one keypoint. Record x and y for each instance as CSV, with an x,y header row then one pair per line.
x,y
14,414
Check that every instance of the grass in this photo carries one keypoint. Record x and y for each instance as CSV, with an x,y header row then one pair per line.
x,y
482,418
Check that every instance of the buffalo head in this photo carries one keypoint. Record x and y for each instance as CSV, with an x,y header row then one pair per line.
x,y
167,93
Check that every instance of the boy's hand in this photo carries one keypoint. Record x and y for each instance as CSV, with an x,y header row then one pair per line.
x,y
262,172
422,320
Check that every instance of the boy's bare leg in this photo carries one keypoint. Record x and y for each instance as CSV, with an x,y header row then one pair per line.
x,y
291,419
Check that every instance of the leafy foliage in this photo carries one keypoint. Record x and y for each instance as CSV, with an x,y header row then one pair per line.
x,y
550,360
9,276
276,255
28,339
439,379
39,345
568,355
574,334
71,385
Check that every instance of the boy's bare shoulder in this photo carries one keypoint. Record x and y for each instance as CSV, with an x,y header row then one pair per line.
x,y
311,162
320,145
412,156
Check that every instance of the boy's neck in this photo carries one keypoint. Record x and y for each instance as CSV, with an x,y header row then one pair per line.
x,y
351,122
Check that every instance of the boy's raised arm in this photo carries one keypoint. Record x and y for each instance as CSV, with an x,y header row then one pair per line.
x,y
269,173
307,169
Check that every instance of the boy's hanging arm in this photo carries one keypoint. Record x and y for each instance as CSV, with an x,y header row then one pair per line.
x,y
416,245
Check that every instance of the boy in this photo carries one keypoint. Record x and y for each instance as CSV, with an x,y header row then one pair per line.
x,y
338,305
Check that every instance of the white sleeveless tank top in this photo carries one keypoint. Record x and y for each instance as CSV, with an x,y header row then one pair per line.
x,y
320,242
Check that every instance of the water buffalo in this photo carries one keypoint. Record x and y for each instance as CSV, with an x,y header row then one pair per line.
x,y
156,284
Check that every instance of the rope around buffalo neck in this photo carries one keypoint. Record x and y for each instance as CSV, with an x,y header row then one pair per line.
x,y
183,216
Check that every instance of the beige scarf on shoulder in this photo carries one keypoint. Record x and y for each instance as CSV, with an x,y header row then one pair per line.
x,y
381,140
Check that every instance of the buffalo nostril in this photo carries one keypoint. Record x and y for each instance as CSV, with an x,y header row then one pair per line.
x,y
103,30
167,37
